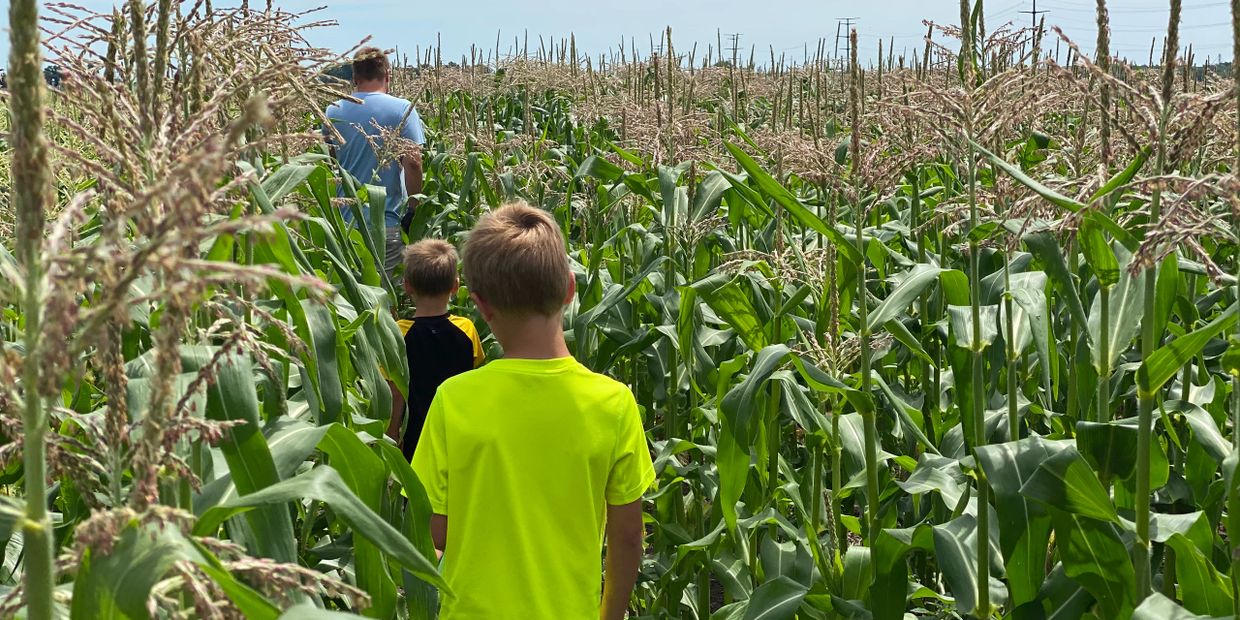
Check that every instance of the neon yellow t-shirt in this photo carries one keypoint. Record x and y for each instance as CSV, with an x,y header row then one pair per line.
x,y
523,456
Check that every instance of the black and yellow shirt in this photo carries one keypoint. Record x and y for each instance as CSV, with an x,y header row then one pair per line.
x,y
438,347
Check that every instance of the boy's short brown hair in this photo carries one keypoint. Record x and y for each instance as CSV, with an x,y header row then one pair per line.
x,y
515,260
370,63
430,267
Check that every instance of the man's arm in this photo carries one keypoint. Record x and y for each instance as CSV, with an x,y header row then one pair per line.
x,y
412,165
625,532
398,414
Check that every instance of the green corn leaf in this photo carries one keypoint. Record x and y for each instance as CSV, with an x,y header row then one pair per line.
x,y
599,168
1098,253
248,600
955,548
116,585
1124,176
419,595
1024,524
1046,248
291,442
230,397
1204,590
776,599
891,568
1167,289
1065,481
325,485
1019,176
722,293
310,612
365,474
1111,448
1127,309
912,284
709,194
786,559
1205,430
316,326
961,320
1094,555
1162,365
901,333
789,202
1158,607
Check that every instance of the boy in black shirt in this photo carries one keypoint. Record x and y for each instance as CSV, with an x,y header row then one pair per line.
x,y
438,345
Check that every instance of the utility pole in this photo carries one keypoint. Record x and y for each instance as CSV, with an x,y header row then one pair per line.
x,y
1034,13
736,44
845,25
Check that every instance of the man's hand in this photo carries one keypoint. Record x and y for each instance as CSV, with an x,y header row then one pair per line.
x,y
625,532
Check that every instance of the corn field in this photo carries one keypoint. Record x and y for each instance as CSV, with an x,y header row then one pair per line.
x,y
941,336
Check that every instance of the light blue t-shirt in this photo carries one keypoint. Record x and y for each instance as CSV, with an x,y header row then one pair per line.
x,y
356,156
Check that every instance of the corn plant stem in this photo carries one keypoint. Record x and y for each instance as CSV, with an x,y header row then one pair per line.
x,y
871,425
1013,356
979,407
931,400
772,421
837,484
1233,496
1103,414
975,300
1145,411
1071,409
30,195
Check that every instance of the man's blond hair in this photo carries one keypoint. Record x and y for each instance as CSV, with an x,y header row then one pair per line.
x,y
430,267
515,260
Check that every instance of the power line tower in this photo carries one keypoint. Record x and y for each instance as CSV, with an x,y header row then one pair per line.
x,y
1034,13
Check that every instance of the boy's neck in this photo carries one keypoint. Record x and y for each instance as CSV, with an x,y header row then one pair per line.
x,y
534,337
430,306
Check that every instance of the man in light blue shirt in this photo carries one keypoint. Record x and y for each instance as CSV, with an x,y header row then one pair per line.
x,y
365,155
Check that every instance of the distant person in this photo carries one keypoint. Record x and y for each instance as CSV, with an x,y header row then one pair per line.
x,y
530,461
360,125
438,345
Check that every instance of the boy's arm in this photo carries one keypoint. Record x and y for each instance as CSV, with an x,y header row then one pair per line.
x,y
439,531
625,532
398,414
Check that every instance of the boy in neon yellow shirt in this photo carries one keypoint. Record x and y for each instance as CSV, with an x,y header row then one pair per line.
x,y
532,459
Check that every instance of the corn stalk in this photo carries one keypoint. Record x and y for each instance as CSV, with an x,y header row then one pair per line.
x,y
31,195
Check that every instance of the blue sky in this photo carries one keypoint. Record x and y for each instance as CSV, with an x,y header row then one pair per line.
x,y
787,25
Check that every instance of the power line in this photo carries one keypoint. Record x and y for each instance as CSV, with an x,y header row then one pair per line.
x,y
1160,10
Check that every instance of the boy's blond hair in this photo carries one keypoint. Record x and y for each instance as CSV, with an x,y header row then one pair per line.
x,y
430,267
515,260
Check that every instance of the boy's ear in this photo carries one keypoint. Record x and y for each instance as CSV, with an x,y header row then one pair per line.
x,y
485,308
408,289
572,289
456,286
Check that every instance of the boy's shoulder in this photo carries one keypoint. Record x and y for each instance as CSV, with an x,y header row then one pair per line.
x,y
463,323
